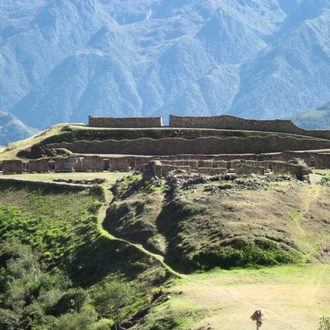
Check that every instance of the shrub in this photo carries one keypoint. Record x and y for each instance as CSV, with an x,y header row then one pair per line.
x,y
324,323
112,299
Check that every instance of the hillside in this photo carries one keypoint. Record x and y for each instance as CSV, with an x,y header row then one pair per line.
x,y
86,245
65,60
206,223
198,229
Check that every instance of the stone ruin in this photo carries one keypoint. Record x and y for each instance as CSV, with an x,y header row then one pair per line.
x,y
159,167
12,167
297,168
171,159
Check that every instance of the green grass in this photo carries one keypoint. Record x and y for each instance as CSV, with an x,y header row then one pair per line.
x,y
63,226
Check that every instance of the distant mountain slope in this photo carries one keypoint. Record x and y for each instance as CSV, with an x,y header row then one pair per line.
x,y
62,60
12,129
318,118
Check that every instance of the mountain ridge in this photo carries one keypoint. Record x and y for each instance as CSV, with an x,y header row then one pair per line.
x,y
65,60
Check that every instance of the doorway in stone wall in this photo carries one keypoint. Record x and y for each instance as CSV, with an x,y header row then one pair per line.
x,y
79,165
312,162
106,164
132,164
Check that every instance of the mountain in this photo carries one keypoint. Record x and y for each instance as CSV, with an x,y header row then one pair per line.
x,y
62,60
13,129
318,118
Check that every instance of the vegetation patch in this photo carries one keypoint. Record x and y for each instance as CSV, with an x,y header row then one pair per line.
x,y
202,226
50,234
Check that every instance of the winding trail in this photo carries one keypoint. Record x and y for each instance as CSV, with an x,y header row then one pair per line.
x,y
292,297
101,217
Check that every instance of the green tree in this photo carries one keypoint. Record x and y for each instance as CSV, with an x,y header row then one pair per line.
x,y
112,299
75,321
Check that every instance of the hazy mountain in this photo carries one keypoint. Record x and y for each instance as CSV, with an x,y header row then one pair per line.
x,y
318,118
12,129
62,60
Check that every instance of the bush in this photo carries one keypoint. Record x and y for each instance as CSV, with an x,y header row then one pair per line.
x,y
74,321
324,323
71,301
112,299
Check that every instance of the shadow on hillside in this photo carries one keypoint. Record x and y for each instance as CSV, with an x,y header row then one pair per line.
x,y
171,224
94,260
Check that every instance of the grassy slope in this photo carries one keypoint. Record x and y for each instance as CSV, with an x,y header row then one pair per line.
x,y
293,297
290,213
282,221
10,152
63,227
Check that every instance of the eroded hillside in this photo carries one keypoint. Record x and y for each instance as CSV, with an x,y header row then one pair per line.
x,y
223,221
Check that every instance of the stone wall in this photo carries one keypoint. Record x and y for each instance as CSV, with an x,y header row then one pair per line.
x,y
207,145
250,169
39,165
120,164
298,170
295,167
181,162
212,171
166,169
58,185
235,123
12,167
93,163
65,164
128,122
154,168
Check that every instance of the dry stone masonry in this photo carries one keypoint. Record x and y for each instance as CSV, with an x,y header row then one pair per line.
x,y
251,154
128,122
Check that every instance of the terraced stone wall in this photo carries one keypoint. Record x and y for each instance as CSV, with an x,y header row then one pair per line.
x,y
127,122
207,145
235,123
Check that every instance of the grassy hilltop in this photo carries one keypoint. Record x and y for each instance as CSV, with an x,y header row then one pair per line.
x,y
199,254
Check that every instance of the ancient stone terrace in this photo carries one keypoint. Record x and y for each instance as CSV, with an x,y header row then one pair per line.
x,y
199,165
216,122
204,145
